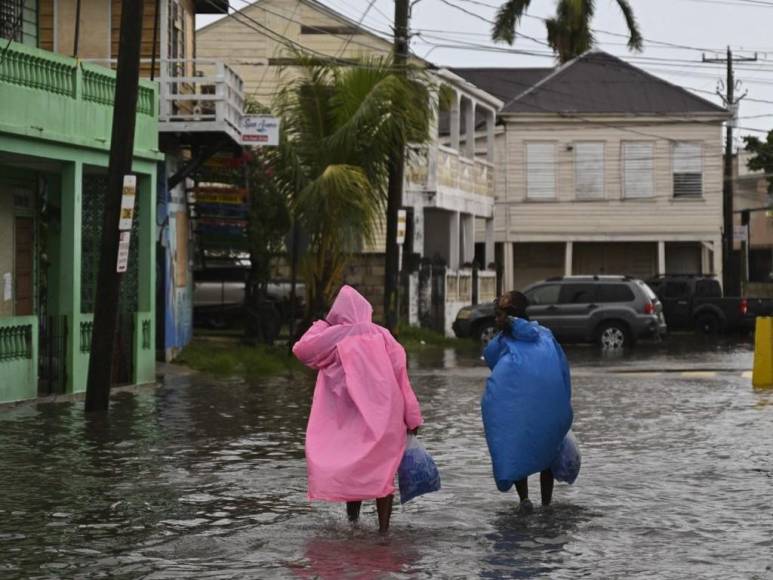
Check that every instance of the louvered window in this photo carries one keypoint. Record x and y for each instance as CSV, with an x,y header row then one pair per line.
x,y
638,179
688,169
540,170
589,170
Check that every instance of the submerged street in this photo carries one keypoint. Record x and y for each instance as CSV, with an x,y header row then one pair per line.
x,y
205,478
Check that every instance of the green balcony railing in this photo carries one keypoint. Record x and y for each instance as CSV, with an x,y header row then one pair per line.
x,y
53,73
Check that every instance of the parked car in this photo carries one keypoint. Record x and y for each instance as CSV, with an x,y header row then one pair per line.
x,y
218,296
614,311
695,302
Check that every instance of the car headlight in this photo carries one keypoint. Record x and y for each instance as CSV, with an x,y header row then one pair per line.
x,y
464,314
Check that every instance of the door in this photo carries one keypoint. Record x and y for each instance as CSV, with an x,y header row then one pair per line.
x,y
675,296
543,305
24,248
576,303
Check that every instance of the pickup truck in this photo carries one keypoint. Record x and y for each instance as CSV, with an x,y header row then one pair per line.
x,y
696,302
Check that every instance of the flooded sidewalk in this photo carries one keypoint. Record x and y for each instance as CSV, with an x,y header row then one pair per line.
x,y
205,478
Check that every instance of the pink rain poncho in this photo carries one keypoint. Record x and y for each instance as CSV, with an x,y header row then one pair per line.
x,y
363,403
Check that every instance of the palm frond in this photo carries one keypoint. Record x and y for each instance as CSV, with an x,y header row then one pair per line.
x,y
507,19
635,40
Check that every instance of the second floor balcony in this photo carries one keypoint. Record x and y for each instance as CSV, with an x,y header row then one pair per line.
x,y
458,161
200,96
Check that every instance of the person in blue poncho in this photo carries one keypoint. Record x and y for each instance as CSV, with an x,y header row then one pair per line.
x,y
526,407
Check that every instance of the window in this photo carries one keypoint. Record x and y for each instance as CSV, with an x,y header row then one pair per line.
x,y
544,295
688,170
708,288
11,14
608,293
577,294
540,171
637,170
676,290
589,170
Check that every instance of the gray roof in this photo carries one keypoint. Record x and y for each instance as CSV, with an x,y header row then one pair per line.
x,y
503,83
593,83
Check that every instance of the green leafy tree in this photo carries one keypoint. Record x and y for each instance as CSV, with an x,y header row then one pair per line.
x,y
569,32
763,156
339,125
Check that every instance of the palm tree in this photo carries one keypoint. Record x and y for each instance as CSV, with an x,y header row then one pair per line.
x,y
569,31
339,125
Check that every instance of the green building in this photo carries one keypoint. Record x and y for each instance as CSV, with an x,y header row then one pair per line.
x,y
55,127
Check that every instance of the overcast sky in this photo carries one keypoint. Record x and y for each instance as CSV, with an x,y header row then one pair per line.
x,y
697,26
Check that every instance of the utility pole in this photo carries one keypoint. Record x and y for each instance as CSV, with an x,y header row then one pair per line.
x,y
730,274
120,164
396,175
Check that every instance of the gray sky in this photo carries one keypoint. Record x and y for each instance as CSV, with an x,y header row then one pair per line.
x,y
697,25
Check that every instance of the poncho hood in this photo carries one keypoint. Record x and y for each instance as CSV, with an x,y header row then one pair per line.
x,y
524,330
350,307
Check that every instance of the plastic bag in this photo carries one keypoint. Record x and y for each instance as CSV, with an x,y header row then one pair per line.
x,y
566,465
417,473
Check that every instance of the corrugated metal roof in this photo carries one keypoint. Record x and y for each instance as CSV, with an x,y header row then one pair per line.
x,y
595,82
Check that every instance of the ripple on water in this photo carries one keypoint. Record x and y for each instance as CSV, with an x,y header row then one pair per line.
x,y
207,480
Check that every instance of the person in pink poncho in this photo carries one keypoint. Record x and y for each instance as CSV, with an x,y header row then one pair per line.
x,y
362,410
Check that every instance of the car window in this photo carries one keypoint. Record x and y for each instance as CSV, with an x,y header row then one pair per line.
x,y
577,294
675,289
608,293
647,290
542,295
708,289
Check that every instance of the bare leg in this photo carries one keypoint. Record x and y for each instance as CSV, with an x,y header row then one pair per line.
x,y
353,510
522,487
384,509
546,486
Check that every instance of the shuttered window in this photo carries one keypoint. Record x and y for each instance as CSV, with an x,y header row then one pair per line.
x,y
540,170
688,169
589,170
638,180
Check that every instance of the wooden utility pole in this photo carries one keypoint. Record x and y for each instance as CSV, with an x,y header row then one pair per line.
x,y
120,164
396,175
730,272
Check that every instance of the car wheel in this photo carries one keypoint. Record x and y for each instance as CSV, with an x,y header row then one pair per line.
x,y
613,336
707,324
486,332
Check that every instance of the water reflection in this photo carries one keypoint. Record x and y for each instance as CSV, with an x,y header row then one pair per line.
x,y
205,478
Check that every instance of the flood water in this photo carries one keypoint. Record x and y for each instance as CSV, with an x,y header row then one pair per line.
x,y
205,478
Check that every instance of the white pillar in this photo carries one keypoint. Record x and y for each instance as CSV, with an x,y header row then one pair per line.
x,y
509,269
489,253
661,257
418,230
467,241
490,135
469,130
568,256
717,253
455,124
454,240
706,258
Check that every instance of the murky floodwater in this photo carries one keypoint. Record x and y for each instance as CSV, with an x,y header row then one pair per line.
x,y
206,479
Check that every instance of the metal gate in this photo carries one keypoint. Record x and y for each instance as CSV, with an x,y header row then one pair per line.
x,y
52,356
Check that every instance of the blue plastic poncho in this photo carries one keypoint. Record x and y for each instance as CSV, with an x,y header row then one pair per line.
x,y
526,407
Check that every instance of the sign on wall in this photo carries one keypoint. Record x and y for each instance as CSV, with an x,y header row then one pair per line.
x,y
741,233
402,218
260,130
123,252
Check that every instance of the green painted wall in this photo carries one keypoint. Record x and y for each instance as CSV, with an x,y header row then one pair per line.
x,y
18,358
56,114
56,98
